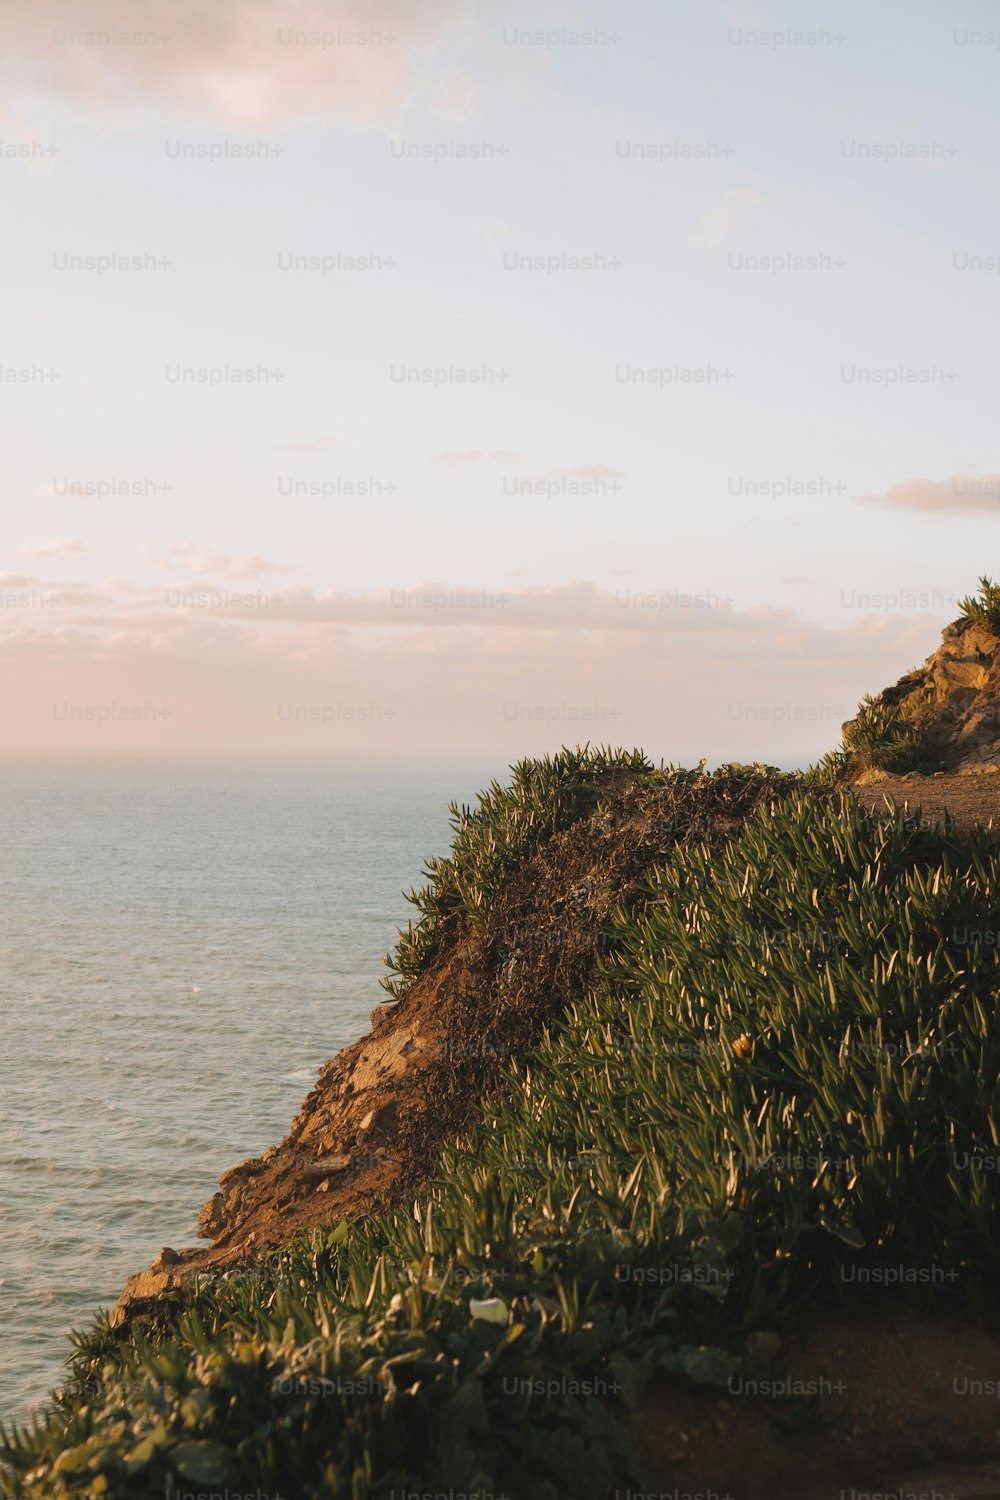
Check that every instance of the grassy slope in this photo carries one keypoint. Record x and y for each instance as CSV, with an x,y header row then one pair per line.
x,y
789,1058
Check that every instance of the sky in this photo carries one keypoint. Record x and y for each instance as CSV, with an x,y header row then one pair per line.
x,y
383,379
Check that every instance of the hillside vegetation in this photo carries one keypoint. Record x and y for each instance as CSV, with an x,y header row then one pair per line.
x,y
786,1061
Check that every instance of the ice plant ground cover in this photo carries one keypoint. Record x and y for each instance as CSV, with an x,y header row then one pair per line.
x,y
787,1066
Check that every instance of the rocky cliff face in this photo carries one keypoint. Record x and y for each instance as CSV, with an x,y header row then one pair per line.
x,y
953,700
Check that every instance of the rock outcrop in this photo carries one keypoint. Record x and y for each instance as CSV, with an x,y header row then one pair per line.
x,y
954,699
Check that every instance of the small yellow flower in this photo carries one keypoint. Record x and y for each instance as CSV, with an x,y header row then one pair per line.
x,y
742,1045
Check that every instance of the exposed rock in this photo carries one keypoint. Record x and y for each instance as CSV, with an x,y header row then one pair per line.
x,y
874,774
211,1218
142,1293
325,1165
954,699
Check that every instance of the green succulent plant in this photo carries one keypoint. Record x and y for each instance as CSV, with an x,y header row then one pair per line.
x,y
790,1062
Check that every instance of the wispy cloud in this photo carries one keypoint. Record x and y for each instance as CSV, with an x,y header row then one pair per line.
x,y
588,471
476,456
70,546
976,493
454,96
223,565
718,222
248,64
458,456
312,445
205,671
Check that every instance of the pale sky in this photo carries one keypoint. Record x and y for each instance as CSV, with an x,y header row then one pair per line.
x,y
622,373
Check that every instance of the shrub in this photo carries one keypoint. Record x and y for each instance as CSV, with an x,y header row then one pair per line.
x,y
494,838
982,608
881,737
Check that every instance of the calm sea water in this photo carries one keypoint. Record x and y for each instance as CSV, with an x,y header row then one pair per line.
x,y
182,949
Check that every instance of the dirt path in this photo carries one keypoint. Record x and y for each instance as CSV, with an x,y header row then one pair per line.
x,y
905,1405
968,799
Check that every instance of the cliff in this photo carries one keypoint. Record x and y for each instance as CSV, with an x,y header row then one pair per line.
x,y
375,1121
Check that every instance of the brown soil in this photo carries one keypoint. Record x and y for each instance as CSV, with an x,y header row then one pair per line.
x,y
960,801
899,1414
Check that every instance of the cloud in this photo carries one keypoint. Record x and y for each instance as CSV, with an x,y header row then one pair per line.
x,y
575,605
17,581
58,547
248,64
312,445
453,100
458,456
960,492
718,222
76,598
681,681
588,471
476,455
427,605
222,565
428,608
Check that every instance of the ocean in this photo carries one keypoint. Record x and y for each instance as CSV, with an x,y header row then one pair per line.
x,y
183,947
